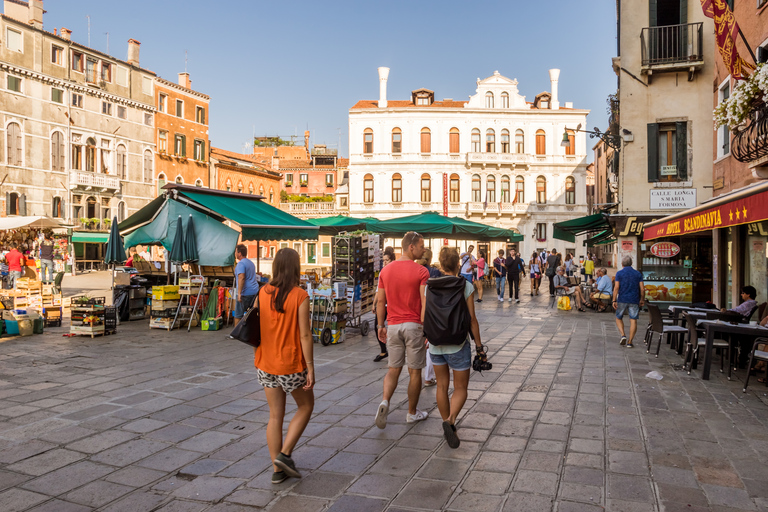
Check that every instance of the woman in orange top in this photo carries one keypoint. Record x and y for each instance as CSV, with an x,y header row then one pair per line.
x,y
284,361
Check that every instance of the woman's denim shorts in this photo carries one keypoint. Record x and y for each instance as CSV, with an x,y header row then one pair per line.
x,y
458,361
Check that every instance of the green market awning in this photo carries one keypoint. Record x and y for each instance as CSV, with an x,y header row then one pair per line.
x,y
604,237
143,216
90,238
257,219
569,229
435,225
338,223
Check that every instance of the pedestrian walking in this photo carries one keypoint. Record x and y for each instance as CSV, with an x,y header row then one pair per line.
x,y
480,276
428,373
401,292
284,360
47,248
628,296
553,261
569,265
468,263
247,283
387,258
500,271
515,266
15,261
449,319
535,273
589,267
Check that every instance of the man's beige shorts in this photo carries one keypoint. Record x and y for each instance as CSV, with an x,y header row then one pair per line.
x,y
405,342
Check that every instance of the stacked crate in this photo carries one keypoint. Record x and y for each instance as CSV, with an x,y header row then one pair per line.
x,y
355,260
88,316
165,303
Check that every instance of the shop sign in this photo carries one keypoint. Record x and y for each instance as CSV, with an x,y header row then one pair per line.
x,y
630,226
673,198
627,246
665,249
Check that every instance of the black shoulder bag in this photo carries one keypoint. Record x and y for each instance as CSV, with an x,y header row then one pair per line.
x,y
248,329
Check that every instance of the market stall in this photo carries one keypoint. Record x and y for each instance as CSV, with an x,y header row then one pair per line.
x,y
27,232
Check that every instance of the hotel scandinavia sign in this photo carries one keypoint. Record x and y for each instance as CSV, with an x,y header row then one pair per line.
x,y
746,210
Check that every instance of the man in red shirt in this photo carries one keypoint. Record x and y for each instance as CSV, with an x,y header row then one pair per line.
x,y
14,260
401,292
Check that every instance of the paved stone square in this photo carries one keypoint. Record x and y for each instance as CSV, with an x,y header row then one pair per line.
x,y
566,420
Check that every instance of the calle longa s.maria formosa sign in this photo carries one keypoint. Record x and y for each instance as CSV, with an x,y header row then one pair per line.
x,y
746,210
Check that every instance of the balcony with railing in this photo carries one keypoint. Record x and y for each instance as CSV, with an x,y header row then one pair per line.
x,y
750,140
672,48
498,159
90,181
310,210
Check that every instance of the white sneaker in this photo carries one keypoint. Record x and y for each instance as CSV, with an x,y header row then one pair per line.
x,y
517,300
501,299
381,414
510,299
413,418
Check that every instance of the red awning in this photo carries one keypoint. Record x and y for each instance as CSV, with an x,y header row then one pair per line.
x,y
743,206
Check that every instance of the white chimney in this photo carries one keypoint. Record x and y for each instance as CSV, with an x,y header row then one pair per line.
x,y
554,74
36,13
184,80
383,75
66,34
133,52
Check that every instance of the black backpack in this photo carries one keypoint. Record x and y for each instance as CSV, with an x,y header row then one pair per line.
x,y
446,318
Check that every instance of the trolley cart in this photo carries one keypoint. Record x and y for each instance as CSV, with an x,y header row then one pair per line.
x,y
355,319
322,315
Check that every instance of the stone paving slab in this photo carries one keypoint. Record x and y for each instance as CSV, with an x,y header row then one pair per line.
x,y
566,420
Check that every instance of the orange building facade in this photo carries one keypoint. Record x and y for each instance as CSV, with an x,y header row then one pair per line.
x,y
182,133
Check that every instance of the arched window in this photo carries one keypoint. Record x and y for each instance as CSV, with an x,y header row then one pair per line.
x,y
541,190
570,190
505,100
368,188
505,141
121,162
240,187
228,185
58,153
90,154
519,142
397,140
455,195
148,161
426,140
505,193
250,188
121,211
261,190
541,142
476,141
13,207
489,99
160,183
198,182
271,195
519,190
179,180
397,188
57,208
490,191
570,149
476,189
368,141
91,210
453,141
14,145
426,188
490,141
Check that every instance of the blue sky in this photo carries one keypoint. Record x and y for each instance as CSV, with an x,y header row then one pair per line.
x,y
281,67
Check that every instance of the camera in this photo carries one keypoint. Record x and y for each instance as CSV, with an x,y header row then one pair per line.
x,y
480,362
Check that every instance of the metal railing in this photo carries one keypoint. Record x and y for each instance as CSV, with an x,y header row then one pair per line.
x,y
672,44
751,143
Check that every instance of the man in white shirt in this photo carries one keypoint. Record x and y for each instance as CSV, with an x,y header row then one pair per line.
x,y
468,263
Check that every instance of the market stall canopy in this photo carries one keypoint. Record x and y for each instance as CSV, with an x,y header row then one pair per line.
x,y
215,241
115,252
602,238
569,229
143,216
435,225
338,223
90,238
29,221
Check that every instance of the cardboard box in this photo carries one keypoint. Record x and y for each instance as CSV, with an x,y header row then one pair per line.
x,y
122,279
193,291
168,292
161,323
160,305
189,281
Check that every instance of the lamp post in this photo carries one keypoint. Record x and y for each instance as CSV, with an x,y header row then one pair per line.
x,y
613,141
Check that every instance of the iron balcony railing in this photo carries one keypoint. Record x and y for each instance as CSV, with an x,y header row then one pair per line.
x,y
751,143
672,44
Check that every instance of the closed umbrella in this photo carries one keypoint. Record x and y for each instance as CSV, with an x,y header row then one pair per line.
x,y
115,249
190,243
177,249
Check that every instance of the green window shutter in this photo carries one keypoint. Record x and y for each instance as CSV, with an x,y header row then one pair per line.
x,y
682,149
23,205
653,152
652,13
683,12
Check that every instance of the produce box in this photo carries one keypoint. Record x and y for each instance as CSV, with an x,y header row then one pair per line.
x,y
161,323
212,324
159,305
86,329
195,280
193,291
167,292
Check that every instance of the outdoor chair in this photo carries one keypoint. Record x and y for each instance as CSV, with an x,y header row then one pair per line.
x,y
761,311
757,355
749,316
649,328
658,327
695,342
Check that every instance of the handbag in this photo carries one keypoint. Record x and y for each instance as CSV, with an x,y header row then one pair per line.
x,y
248,329
550,272
564,303
583,271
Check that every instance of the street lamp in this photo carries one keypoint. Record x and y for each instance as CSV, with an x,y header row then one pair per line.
x,y
612,140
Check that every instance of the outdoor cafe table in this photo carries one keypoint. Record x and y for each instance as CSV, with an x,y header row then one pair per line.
x,y
677,312
713,327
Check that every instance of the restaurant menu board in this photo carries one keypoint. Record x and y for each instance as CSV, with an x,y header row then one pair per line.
x,y
669,291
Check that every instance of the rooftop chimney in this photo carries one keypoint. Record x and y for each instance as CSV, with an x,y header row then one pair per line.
x,y
554,74
184,80
36,13
383,75
66,34
133,52
306,139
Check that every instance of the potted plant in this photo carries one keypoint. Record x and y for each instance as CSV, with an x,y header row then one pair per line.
x,y
106,223
85,221
95,223
747,96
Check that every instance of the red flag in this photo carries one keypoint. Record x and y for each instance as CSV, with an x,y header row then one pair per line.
x,y
726,30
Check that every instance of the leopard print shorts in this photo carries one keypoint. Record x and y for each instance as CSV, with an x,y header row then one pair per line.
x,y
289,383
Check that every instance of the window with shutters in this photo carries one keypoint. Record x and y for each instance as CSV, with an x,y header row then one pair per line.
x,y
397,188
14,149
162,102
541,232
106,71
490,191
180,145
541,190
303,180
148,167
162,141
14,40
368,141
476,189
490,141
77,156
570,190
505,141
519,142
723,132
200,115
121,211
368,189
106,157
453,141
57,55
106,108
58,153
541,142
57,95
667,152
476,142
78,61
289,179
121,162
77,100
199,150
13,207
329,179
90,154
505,189
489,99
426,140
455,195
570,149
519,190
57,208
426,188
179,108
397,140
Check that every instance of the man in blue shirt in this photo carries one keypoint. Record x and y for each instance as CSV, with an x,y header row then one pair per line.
x,y
247,284
628,295
602,288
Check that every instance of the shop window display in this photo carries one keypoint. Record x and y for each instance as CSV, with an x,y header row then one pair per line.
x,y
678,269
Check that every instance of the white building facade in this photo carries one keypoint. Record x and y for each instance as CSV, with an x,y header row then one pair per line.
x,y
495,159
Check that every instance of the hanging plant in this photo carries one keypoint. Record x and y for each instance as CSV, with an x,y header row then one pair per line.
x,y
747,95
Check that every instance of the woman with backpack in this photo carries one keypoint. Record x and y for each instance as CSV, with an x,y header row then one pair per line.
x,y
449,318
535,273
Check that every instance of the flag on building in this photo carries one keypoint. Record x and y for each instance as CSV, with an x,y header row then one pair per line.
x,y
726,31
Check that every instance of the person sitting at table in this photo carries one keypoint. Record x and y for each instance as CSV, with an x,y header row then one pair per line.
x,y
748,294
563,287
603,291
